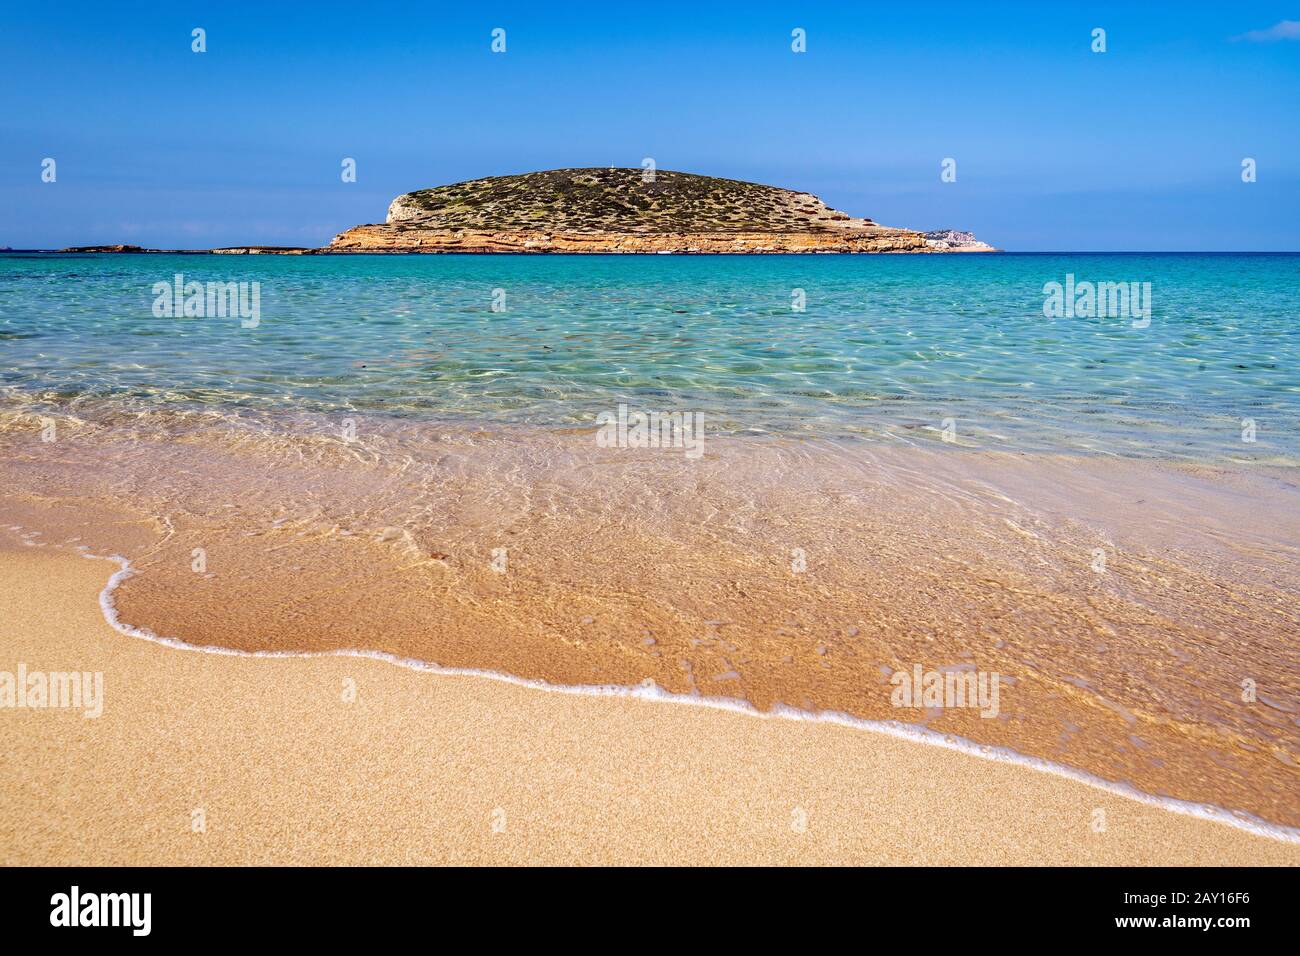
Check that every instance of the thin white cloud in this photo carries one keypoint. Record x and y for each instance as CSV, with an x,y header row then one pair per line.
x,y
1282,30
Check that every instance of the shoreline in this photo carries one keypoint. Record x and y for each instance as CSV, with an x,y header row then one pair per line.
x,y
957,562
531,774
652,692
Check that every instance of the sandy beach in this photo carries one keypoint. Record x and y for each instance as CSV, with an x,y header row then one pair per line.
x,y
426,768
1140,616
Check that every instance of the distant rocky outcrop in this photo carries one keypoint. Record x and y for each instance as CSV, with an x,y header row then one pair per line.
x,y
622,210
113,248
951,240
263,251
225,251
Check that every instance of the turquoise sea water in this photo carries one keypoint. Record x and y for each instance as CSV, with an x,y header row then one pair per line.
x,y
887,347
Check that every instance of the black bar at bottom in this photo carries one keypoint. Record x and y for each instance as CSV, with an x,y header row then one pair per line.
x,y
336,905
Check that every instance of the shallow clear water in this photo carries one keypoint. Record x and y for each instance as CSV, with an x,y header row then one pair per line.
x,y
887,347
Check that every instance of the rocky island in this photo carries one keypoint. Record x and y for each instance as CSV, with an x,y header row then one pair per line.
x,y
629,211
608,210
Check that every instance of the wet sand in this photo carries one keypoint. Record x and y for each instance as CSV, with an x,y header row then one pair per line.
x,y
427,768
1141,616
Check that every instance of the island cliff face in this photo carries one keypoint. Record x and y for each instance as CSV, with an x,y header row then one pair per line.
x,y
623,210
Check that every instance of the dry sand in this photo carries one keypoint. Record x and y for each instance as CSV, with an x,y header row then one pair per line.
x,y
426,768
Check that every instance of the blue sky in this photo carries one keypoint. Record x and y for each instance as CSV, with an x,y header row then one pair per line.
x,y
1057,147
